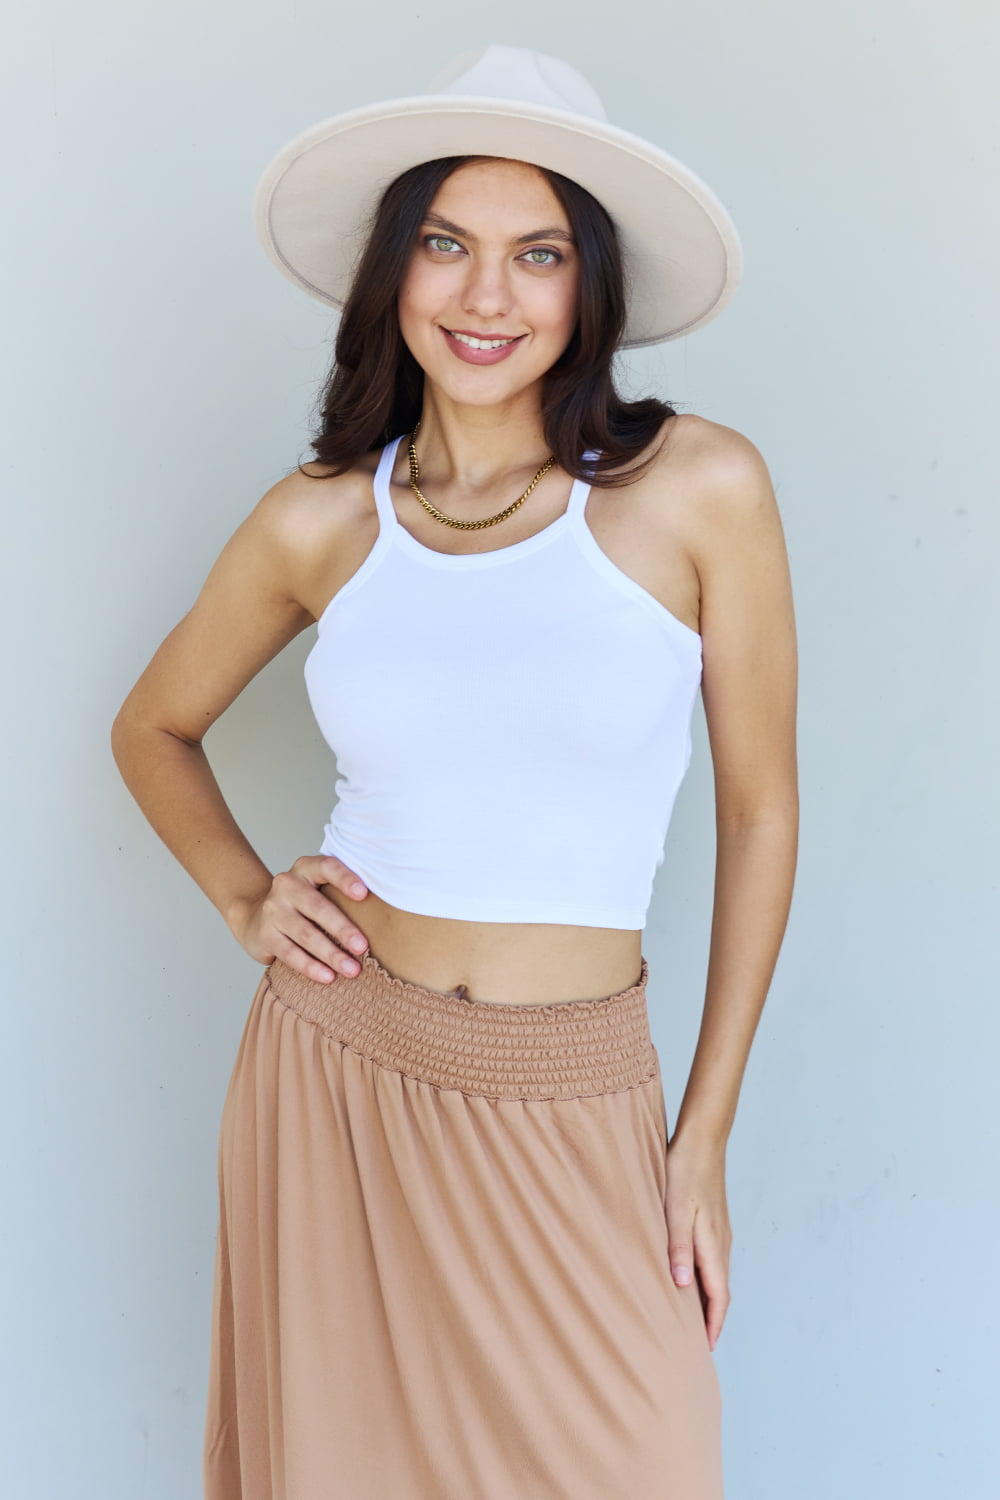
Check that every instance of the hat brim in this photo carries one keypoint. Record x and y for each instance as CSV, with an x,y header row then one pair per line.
x,y
313,202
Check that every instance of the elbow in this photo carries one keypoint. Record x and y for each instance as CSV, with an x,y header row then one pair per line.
x,y
134,733
121,735
127,728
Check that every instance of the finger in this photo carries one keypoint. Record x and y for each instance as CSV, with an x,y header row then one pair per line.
x,y
296,892
715,1297
332,921
303,962
318,945
680,1239
327,869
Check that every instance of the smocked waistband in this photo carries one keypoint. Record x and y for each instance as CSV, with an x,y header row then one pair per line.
x,y
503,1051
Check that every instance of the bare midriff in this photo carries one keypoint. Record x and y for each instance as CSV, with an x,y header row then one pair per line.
x,y
508,963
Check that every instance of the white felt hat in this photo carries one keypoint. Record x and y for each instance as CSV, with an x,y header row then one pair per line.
x,y
314,201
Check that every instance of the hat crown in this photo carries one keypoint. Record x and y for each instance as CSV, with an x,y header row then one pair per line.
x,y
521,74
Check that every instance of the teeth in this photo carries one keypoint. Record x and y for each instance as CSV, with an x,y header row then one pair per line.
x,y
465,338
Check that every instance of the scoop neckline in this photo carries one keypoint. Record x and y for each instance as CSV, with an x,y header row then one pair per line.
x,y
572,519
490,558
389,520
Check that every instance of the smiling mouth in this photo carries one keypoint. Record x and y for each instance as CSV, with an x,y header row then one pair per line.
x,y
474,343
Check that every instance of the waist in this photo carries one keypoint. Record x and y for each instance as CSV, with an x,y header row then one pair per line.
x,y
527,963
498,1051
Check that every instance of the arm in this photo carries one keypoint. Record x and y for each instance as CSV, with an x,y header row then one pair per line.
x,y
246,613
749,694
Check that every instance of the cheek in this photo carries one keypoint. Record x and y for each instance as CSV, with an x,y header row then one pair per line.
x,y
420,304
416,287
558,312
409,310
407,292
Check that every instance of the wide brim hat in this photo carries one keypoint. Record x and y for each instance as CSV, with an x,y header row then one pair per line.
x,y
314,201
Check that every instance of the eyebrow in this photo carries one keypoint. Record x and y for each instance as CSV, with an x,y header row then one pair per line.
x,y
522,239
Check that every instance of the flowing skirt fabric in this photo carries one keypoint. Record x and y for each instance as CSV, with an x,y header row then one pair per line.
x,y
441,1269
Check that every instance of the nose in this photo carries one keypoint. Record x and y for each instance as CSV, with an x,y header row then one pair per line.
x,y
487,291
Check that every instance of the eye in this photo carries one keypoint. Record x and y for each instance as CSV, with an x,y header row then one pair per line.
x,y
550,257
443,243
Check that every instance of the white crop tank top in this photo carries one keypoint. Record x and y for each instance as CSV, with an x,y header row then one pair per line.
x,y
510,727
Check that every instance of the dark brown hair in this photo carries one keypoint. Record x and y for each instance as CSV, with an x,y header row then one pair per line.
x,y
374,390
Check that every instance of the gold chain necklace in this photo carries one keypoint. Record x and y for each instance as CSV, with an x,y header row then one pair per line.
x,y
466,525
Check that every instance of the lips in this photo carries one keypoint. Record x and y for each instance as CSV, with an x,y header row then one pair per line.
x,y
484,351
481,340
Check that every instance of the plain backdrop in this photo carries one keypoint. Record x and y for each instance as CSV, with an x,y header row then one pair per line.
x,y
159,376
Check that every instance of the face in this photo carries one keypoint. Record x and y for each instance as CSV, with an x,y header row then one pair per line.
x,y
489,299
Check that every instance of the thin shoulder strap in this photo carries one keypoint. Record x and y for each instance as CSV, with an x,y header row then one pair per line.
x,y
383,495
580,491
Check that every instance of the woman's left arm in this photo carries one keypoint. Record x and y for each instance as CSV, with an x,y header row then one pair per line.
x,y
749,689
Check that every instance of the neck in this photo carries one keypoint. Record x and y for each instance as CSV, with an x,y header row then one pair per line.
x,y
476,447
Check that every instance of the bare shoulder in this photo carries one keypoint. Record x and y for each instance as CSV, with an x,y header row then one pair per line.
x,y
710,484
311,504
321,525
716,464
735,539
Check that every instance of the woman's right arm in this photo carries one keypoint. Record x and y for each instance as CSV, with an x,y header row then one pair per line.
x,y
248,610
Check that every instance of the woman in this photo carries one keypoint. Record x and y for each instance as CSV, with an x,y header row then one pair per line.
x,y
457,1254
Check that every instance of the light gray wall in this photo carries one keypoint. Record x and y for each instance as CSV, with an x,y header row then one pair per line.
x,y
158,379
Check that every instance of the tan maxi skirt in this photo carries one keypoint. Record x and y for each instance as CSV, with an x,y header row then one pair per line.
x,y
441,1269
